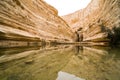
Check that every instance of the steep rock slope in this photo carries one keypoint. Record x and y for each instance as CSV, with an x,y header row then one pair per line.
x,y
31,20
99,21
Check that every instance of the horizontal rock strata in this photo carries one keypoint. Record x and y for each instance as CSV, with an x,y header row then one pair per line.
x,y
99,21
31,20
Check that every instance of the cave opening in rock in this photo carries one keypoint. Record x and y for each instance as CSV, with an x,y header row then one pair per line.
x,y
65,7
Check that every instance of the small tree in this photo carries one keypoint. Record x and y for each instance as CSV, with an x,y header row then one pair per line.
x,y
114,35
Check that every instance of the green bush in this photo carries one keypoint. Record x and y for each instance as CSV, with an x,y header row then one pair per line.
x,y
114,35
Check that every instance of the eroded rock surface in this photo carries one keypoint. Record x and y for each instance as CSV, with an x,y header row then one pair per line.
x,y
31,20
99,21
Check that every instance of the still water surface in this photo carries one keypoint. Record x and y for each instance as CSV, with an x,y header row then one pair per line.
x,y
60,63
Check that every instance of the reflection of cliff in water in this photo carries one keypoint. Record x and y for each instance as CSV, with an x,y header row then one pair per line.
x,y
95,63
78,49
44,63
41,64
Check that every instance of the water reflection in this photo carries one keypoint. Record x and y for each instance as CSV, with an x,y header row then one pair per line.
x,y
60,63
67,76
95,63
78,49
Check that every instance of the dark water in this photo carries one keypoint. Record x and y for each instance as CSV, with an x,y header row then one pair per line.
x,y
60,63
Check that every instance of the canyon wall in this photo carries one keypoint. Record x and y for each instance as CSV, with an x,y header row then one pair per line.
x,y
99,21
32,20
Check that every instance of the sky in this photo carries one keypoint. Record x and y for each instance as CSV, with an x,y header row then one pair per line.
x,y
68,6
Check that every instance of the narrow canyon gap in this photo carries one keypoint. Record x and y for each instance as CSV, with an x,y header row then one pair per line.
x,y
99,21
35,20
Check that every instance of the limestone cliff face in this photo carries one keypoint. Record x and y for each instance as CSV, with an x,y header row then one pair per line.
x,y
100,20
31,20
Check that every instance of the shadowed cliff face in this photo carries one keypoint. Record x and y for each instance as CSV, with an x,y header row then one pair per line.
x,y
100,20
31,20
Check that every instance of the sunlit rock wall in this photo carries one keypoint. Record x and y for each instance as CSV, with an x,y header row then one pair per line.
x,y
31,20
100,20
